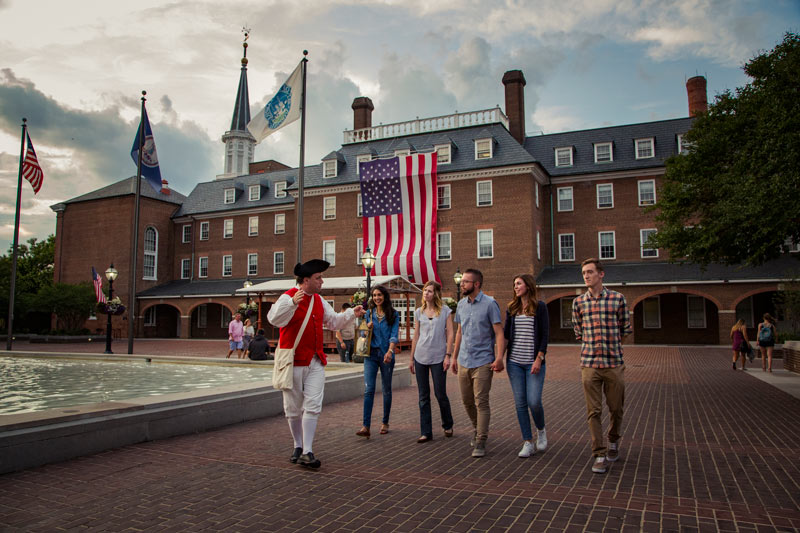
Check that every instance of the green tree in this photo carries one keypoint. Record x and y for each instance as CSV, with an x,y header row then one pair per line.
x,y
71,303
734,197
34,272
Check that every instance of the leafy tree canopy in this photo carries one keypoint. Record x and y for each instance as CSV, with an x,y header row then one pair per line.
x,y
34,272
735,197
72,303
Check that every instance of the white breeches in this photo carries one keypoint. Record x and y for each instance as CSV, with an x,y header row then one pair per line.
x,y
308,386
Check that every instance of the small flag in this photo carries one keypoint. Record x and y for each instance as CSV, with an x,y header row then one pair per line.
x,y
283,109
399,198
98,286
31,170
150,169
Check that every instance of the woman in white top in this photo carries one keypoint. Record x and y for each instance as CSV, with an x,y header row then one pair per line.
x,y
249,333
431,352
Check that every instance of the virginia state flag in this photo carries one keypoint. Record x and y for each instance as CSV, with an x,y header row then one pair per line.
x,y
283,109
150,169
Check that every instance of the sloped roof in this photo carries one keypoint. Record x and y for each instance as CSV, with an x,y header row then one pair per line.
x,y
665,133
195,288
208,197
125,187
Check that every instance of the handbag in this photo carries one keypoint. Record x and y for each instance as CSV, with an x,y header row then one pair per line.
x,y
283,371
363,340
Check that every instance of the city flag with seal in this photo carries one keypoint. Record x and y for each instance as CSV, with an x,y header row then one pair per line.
x,y
150,169
282,109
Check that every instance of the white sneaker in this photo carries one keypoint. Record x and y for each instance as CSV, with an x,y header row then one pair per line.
x,y
527,449
599,466
541,440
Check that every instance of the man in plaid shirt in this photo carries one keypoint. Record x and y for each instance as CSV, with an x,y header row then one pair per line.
x,y
601,320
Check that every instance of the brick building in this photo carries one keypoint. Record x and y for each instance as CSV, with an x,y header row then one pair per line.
x,y
507,203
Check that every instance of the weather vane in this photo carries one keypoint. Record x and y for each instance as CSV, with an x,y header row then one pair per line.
x,y
246,32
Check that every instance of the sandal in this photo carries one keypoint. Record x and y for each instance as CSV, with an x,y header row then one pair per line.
x,y
448,432
384,429
423,438
363,432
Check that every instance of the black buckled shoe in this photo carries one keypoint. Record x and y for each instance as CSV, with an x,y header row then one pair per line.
x,y
296,455
309,461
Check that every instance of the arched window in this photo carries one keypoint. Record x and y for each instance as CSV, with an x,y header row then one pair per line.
x,y
150,253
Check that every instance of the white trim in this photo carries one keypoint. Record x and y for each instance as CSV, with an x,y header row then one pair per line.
x,y
444,186
559,150
641,244
659,283
324,244
359,206
200,267
288,206
478,193
560,255
636,142
327,163
225,234
610,152
538,246
189,262
657,297
208,230
153,253
359,250
571,199
478,243
639,192
600,245
183,233
275,224
250,190
478,142
250,232
597,191
224,275
402,153
280,189
225,195
605,176
449,149
449,257
250,272
325,208
275,262
363,158
688,313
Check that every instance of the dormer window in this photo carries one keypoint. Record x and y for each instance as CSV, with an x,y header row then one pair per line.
x,y
402,153
645,148
564,156
254,193
362,159
329,168
230,196
483,149
280,189
683,146
442,154
603,153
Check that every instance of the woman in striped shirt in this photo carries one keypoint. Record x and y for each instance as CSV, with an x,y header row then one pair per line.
x,y
527,331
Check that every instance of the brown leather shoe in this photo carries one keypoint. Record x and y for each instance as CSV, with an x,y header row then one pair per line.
x,y
363,432
448,432
384,429
423,438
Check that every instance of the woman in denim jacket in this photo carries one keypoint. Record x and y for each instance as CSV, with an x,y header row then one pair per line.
x,y
527,331
384,322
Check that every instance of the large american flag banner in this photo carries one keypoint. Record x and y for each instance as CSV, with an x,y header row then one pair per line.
x,y
398,202
98,286
31,170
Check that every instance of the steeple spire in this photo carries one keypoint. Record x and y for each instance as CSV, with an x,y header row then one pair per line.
x,y
239,143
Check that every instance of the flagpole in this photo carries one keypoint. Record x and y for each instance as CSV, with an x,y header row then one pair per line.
x,y
135,241
302,163
16,240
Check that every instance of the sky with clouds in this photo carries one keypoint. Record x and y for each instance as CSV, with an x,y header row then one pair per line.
x,y
76,70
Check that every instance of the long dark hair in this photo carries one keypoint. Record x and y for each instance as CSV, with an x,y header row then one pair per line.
x,y
515,305
388,310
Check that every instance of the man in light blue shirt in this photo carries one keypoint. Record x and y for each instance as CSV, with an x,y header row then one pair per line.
x,y
478,354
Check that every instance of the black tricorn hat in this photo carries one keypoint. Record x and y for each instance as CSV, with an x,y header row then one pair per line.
x,y
309,268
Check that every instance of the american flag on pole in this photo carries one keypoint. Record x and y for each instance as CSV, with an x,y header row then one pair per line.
x,y
31,170
98,286
399,202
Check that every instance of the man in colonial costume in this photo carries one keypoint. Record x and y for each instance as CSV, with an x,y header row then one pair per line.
x,y
303,402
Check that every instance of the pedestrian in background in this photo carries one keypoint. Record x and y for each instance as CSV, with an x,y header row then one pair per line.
x,y
345,338
740,343
766,341
247,336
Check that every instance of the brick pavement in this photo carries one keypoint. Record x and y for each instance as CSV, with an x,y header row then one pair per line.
x,y
704,449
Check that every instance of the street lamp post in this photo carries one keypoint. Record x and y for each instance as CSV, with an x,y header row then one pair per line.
x,y
457,278
368,260
111,275
247,284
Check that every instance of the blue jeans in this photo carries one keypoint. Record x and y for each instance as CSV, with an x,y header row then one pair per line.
x,y
439,376
527,389
371,366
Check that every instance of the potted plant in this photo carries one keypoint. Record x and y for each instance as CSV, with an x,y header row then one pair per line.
x,y
111,307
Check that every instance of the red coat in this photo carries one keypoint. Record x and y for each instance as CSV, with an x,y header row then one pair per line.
x,y
311,342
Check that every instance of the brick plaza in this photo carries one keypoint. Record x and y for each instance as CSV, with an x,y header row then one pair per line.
x,y
704,449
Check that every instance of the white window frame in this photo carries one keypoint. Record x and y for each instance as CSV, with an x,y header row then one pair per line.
x,y
227,224
200,261
251,231
489,232
484,149
689,312
443,154
440,236
642,142
642,240
790,247
279,228
250,270
600,244
280,189
329,208
186,268
610,153
186,233
364,158
278,267
329,255
227,259
571,199
683,148
657,298
359,206
359,249
330,169
254,197
229,196
537,193
150,316
562,248
205,229
150,254
639,192
560,151
442,195
597,188
478,193
565,321
402,153
538,246
202,316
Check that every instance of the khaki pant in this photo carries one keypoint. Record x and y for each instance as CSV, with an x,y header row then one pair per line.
x,y
475,384
610,381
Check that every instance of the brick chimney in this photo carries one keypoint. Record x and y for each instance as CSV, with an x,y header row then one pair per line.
x,y
362,113
514,81
696,91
